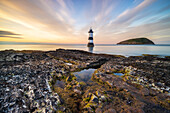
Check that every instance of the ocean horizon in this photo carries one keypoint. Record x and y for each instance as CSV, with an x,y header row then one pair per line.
x,y
39,43
114,49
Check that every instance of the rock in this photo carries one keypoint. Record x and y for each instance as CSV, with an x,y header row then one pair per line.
x,y
69,64
109,83
69,79
98,93
25,79
7,89
110,111
152,92
145,91
59,75
159,84
98,110
153,84
77,91
103,98
94,98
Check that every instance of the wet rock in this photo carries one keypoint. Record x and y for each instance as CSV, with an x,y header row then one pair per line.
x,y
59,75
25,87
109,83
98,110
103,98
110,111
145,91
152,92
26,81
94,98
77,91
98,93
69,79
159,84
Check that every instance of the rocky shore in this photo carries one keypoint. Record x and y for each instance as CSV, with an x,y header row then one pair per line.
x,y
43,81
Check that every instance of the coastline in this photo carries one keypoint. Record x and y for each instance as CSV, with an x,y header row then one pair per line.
x,y
125,50
143,87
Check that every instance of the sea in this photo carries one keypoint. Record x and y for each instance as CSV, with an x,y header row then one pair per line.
x,y
125,50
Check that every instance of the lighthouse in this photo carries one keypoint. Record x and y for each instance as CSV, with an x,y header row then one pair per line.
x,y
90,44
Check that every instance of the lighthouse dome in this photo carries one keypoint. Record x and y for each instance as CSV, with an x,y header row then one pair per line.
x,y
90,31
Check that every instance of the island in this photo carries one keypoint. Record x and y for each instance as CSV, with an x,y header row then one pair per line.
x,y
137,41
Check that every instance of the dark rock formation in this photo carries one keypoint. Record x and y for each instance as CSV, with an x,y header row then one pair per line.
x,y
137,41
42,81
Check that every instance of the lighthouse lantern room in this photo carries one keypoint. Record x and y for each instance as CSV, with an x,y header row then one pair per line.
x,y
90,44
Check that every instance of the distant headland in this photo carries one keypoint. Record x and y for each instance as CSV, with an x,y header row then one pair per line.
x,y
137,41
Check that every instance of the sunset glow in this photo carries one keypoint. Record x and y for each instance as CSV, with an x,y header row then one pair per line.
x,y
68,21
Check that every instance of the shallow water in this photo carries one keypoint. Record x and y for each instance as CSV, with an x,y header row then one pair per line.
x,y
126,50
84,75
118,74
60,84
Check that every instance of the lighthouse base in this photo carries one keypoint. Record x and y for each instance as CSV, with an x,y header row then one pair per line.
x,y
90,45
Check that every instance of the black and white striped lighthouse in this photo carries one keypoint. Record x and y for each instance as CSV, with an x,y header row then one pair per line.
x,y
90,44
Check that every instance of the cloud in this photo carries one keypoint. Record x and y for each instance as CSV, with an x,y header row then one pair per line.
x,y
112,28
105,25
129,15
146,30
65,21
9,34
39,15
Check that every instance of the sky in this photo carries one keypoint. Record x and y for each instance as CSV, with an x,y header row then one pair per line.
x,y
68,21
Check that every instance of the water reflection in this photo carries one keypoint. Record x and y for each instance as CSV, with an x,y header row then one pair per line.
x,y
84,75
90,49
60,84
118,74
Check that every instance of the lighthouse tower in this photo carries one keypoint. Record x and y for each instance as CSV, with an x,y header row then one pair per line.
x,y
90,44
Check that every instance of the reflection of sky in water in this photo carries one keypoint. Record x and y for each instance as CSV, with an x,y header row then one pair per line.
x,y
132,50
84,75
126,50
60,84
118,74
90,49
